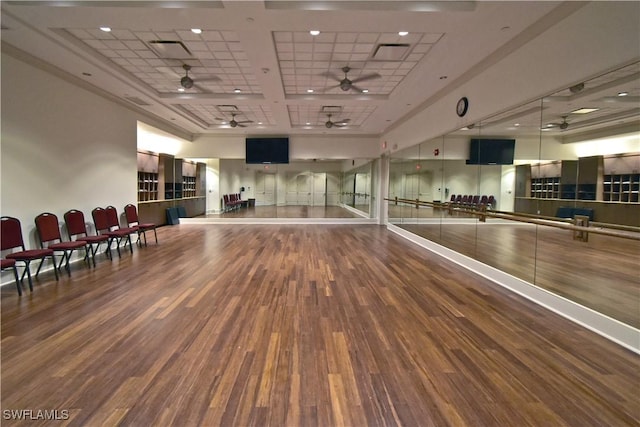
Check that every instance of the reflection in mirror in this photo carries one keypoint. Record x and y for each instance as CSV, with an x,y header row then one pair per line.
x,y
357,189
565,213
300,189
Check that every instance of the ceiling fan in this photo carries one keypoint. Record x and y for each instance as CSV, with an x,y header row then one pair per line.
x,y
345,83
234,123
187,82
339,123
562,125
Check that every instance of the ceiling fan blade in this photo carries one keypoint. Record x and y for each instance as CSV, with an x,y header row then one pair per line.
x,y
207,79
366,77
241,125
326,89
332,75
245,121
200,88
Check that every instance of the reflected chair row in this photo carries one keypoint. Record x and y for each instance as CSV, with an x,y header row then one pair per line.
x,y
472,201
232,201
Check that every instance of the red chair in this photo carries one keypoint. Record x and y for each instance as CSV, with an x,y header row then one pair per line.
x,y
11,238
11,263
102,218
48,229
77,230
131,213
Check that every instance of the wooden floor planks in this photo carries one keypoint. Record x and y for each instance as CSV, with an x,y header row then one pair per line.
x,y
296,325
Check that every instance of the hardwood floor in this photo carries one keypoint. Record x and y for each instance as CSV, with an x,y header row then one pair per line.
x,y
601,274
300,325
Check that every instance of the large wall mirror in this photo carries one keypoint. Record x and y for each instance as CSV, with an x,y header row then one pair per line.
x,y
516,191
299,189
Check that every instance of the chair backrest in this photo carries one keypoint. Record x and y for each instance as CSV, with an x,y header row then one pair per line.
x,y
100,220
10,233
226,199
131,213
453,198
74,220
112,218
48,228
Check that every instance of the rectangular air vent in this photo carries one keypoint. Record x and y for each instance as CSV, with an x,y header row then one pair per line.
x,y
391,52
168,49
331,109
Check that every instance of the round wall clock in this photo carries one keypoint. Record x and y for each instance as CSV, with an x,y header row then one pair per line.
x,y
463,106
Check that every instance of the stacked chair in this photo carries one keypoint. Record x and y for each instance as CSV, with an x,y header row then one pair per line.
x,y
50,238
77,230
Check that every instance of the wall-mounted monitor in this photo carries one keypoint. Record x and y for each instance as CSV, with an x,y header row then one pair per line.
x,y
267,150
491,151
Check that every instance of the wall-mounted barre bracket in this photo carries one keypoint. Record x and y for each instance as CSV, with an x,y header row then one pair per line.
x,y
581,221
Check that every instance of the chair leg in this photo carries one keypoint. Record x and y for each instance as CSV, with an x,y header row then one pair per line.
x,y
155,234
27,271
18,282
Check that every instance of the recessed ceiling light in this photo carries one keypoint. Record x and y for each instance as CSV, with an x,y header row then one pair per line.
x,y
623,93
196,30
259,123
403,33
314,32
309,90
308,123
180,89
237,90
365,90
516,124
105,29
584,110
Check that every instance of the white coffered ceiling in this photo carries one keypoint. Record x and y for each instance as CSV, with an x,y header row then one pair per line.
x,y
257,62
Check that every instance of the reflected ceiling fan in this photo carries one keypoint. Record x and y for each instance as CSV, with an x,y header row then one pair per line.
x,y
563,125
338,123
234,123
347,84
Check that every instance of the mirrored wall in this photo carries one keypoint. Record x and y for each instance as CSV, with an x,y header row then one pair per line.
x,y
516,191
300,189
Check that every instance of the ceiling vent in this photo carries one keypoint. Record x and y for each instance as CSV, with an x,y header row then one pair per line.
x,y
331,109
391,52
167,49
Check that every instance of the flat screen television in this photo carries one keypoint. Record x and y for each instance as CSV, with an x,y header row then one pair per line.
x,y
491,151
267,150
